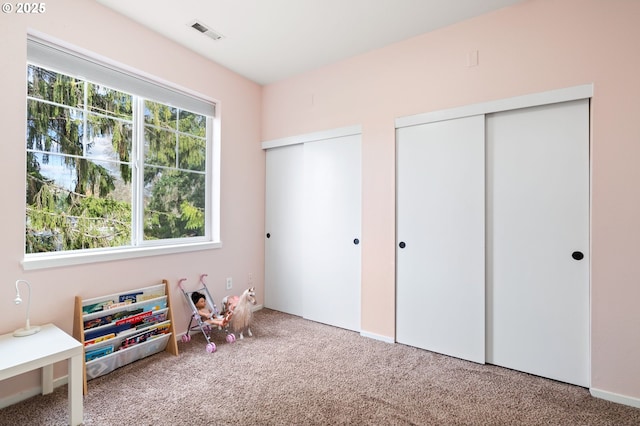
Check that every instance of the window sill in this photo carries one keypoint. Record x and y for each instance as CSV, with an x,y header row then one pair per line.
x,y
54,260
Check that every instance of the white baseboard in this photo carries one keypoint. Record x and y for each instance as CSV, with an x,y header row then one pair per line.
x,y
29,393
385,339
614,397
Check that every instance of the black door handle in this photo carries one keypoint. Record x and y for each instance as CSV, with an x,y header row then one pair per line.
x,y
402,244
356,241
577,255
268,235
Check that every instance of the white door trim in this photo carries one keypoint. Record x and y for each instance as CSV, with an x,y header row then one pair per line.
x,y
544,98
313,137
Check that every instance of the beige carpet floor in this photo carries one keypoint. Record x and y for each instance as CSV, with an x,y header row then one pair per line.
x,y
298,372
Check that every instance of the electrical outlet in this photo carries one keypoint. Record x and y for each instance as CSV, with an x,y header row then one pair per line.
x,y
229,283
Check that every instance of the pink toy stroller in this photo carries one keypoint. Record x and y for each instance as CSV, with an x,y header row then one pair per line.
x,y
213,320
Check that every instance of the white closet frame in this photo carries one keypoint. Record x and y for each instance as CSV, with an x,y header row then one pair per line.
x,y
482,109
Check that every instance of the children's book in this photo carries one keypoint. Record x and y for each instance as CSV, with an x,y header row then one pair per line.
x,y
145,335
97,353
97,304
119,304
149,295
103,331
152,319
99,339
133,297
110,317
127,309
96,307
134,319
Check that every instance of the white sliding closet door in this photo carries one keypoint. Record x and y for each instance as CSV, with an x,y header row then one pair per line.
x,y
284,226
440,293
312,225
538,206
332,231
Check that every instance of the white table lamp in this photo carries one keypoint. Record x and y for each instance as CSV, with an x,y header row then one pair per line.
x,y
28,330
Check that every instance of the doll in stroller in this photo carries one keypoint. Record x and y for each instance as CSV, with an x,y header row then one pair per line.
x,y
205,315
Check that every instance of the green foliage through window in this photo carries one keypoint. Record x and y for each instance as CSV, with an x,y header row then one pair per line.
x,y
85,182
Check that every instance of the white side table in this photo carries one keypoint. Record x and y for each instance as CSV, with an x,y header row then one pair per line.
x,y
41,350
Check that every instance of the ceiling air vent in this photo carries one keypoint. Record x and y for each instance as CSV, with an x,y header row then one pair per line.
x,y
202,28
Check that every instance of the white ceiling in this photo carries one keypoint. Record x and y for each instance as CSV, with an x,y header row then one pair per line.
x,y
270,40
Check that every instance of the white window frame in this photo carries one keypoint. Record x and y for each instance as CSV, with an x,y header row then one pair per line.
x,y
70,61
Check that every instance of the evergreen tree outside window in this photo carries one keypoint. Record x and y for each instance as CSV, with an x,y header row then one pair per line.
x,y
110,162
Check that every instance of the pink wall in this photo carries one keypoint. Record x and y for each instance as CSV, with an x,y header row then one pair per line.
x,y
532,47
536,46
89,25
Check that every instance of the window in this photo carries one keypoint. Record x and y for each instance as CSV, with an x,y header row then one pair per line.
x,y
115,162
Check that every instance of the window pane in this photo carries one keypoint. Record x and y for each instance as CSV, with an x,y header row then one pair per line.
x,y
82,141
72,202
66,211
110,102
159,147
174,204
193,124
159,115
192,153
109,139
54,87
53,128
